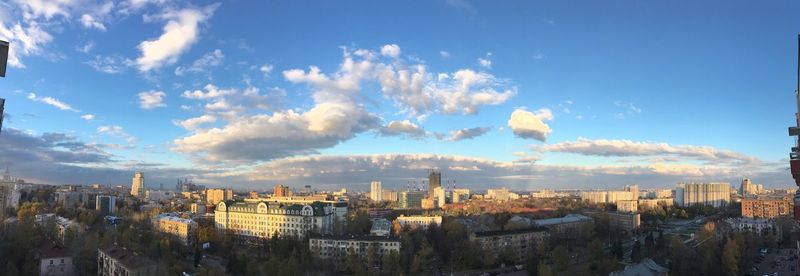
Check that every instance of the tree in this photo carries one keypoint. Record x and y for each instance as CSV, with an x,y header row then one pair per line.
x,y
29,210
730,257
636,251
561,257
617,250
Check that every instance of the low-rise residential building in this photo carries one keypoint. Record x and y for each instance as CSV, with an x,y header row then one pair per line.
x,y
62,224
113,260
460,195
419,221
646,267
519,242
265,219
624,221
54,260
767,207
337,249
380,227
184,229
569,225
758,226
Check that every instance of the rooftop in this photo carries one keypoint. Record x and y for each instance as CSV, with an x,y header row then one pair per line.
x,y
509,232
570,218
127,257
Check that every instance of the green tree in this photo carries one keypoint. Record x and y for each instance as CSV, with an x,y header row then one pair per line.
x,y
730,257
561,257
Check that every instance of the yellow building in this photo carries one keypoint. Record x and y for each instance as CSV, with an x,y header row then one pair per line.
x,y
215,196
182,228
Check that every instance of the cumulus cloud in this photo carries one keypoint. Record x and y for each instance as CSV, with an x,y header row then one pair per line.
x,y
194,123
624,148
203,64
27,40
51,101
390,50
286,133
152,99
444,54
404,127
336,114
180,32
526,124
87,117
467,133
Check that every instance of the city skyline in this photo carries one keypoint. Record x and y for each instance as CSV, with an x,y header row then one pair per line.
x,y
515,95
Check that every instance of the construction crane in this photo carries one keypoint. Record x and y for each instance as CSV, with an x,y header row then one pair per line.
x,y
794,156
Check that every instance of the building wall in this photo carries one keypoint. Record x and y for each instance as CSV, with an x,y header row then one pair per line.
x,y
375,191
767,208
520,243
56,266
713,194
336,250
262,222
419,221
628,206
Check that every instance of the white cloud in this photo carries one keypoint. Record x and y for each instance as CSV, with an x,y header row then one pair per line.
x,y
266,69
194,123
404,127
624,148
486,62
110,64
152,99
286,133
87,117
211,92
203,64
51,101
444,54
467,133
90,22
32,9
180,32
116,131
390,50
628,109
86,47
526,124
27,40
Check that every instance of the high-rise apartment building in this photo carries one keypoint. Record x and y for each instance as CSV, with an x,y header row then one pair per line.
x,y
137,184
106,204
215,196
389,195
460,195
434,180
440,195
281,191
411,199
375,192
713,194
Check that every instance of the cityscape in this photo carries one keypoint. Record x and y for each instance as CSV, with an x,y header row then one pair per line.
x,y
447,137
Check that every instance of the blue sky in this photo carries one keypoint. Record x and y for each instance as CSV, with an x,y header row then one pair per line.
x,y
522,94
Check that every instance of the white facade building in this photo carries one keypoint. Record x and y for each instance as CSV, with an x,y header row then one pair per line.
x,y
265,219
419,221
714,194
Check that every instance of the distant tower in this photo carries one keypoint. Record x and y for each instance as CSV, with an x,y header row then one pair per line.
x,y
137,185
434,181
746,188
